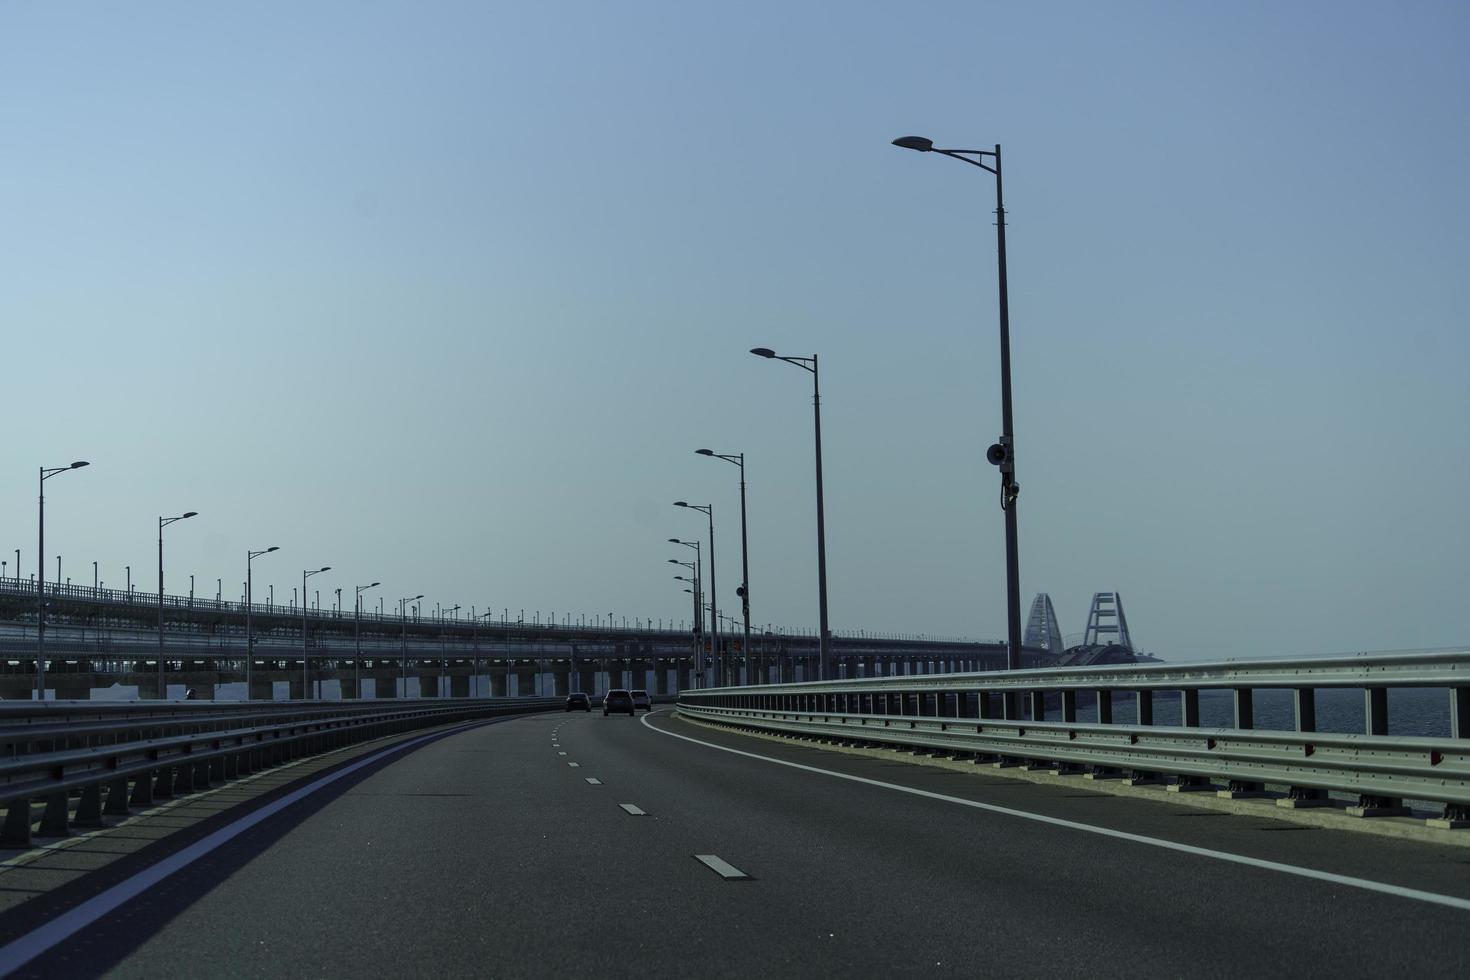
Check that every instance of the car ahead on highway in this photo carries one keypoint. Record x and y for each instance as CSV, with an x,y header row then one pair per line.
x,y
579,702
618,700
640,700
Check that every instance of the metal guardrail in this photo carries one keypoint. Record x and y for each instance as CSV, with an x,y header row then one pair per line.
x,y
1030,717
109,757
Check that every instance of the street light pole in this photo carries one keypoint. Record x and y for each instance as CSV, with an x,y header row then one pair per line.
x,y
744,590
46,474
164,522
356,635
475,644
721,668
249,609
403,642
697,626
1003,453
305,676
824,638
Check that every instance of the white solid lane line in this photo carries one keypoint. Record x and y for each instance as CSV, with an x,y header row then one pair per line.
x,y
719,865
26,948
1380,887
594,781
634,810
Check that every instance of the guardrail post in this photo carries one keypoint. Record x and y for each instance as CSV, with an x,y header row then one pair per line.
x,y
1245,713
1189,707
16,831
1145,701
89,807
1375,710
1038,706
54,817
1460,712
183,779
1304,701
163,786
1069,706
1378,806
117,798
1010,708
1104,707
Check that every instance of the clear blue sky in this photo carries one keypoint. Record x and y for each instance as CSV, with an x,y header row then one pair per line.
x,y
446,294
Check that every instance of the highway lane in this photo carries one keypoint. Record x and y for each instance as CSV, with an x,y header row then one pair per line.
x,y
488,853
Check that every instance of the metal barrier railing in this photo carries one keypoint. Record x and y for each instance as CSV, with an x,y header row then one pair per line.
x,y
1031,717
107,758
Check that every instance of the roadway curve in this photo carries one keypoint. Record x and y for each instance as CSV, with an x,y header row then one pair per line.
x,y
485,853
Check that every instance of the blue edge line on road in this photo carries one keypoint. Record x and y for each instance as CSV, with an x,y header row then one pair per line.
x,y
1449,901
21,951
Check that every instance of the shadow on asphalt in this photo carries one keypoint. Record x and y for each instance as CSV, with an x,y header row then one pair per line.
x,y
102,946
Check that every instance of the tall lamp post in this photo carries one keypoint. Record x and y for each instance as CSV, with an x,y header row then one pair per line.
x,y
164,522
305,677
475,643
714,596
250,556
698,623
824,637
444,653
356,635
403,642
1003,453
693,591
744,591
47,472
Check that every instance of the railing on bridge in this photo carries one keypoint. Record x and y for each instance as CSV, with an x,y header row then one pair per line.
x,y
1032,717
83,760
136,599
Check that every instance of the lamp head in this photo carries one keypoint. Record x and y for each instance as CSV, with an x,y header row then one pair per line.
x,y
417,597
189,513
915,143
272,548
325,568
373,586
79,464
704,452
674,541
681,503
762,352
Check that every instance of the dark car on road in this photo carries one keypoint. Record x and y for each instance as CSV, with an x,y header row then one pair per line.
x,y
579,702
640,700
618,700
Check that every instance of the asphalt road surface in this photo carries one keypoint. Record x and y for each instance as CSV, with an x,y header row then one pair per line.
x,y
572,844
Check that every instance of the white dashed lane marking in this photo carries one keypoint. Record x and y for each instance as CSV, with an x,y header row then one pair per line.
x,y
632,809
561,753
575,765
721,867
593,780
